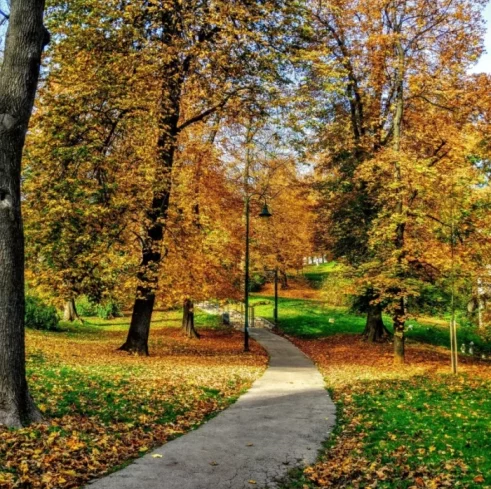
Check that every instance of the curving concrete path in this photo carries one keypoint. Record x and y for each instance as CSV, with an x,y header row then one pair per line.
x,y
278,424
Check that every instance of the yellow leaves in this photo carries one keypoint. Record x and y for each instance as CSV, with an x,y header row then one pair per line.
x,y
415,453
119,406
23,467
74,444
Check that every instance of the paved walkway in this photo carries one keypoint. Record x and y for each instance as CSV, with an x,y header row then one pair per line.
x,y
278,424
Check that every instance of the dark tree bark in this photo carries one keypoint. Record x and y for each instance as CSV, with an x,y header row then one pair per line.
x,y
173,75
137,340
283,280
19,73
70,312
188,319
375,329
172,80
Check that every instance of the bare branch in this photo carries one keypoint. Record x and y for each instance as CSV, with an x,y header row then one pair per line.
x,y
203,115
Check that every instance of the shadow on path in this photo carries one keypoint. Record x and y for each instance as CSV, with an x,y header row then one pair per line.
x,y
279,424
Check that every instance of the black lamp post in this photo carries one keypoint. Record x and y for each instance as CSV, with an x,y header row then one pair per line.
x,y
275,276
264,213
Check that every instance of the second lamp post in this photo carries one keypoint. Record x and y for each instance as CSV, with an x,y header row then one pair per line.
x,y
264,213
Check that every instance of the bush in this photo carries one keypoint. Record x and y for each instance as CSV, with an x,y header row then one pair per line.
x,y
334,290
109,310
256,282
40,315
85,307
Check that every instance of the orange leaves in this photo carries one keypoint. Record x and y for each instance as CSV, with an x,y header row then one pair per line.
x,y
105,407
404,426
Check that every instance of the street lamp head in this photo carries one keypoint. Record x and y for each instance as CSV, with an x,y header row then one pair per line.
x,y
265,212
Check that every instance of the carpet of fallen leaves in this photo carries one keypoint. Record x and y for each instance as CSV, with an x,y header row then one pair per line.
x,y
104,407
411,426
298,288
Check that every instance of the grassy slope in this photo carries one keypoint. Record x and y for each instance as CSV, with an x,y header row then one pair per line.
x,y
313,319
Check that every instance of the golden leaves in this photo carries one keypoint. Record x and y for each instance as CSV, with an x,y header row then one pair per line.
x,y
419,451
105,407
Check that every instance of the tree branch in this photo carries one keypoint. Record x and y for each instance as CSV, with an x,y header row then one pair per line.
x,y
208,112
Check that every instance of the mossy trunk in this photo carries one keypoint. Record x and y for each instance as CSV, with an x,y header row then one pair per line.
x,y
70,312
399,333
283,280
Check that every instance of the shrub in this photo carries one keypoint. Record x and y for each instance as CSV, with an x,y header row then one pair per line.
x,y
109,310
85,307
256,282
334,290
40,315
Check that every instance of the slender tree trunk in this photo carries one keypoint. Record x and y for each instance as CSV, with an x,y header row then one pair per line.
x,y
283,280
188,319
399,310
399,332
19,72
375,329
70,312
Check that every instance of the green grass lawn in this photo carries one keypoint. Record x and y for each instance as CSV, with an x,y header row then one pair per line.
x,y
308,319
428,432
316,274
312,319
444,422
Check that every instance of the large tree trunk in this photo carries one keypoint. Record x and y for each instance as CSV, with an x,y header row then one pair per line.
x,y
188,319
26,38
137,340
375,329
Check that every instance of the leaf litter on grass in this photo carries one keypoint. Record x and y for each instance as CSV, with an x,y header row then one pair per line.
x,y
412,426
104,407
